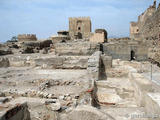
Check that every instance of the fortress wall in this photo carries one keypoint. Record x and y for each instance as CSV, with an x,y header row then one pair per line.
x,y
123,50
151,34
27,37
149,31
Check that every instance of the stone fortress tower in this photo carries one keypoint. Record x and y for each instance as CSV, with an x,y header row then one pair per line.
x,y
79,28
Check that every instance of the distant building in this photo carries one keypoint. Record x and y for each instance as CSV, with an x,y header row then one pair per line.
x,y
79,28
100,36
27,37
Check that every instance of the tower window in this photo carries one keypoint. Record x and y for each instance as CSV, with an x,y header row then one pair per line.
x,y
79,28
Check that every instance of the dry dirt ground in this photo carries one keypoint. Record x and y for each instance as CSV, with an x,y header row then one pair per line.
x,y
36,85
58,82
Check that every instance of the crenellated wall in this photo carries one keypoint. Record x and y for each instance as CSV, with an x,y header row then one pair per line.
x,y
137,28
27,37
147,29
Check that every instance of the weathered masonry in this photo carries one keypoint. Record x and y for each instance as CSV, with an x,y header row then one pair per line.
x,y
79,27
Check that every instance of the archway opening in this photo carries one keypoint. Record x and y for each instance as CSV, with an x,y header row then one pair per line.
x,y
133,55
79,28
79,35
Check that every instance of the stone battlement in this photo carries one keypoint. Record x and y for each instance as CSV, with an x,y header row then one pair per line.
x,y
133,23
27,37
79,18
79,27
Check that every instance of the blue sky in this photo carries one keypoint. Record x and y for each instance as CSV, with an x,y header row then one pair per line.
x,y
45,17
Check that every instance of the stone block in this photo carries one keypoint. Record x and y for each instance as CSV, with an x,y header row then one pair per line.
x,y
4,62
152,105
107,61
97,38
142,87
86,113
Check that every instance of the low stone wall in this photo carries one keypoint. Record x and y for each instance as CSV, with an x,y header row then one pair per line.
x,y
63,62
4,62
94,63
59,38
21,61
97,64
107,61
55,62
154,55
86,112
122,50
142,87
146,95
152,105
76,48
5,50
19,112
34,46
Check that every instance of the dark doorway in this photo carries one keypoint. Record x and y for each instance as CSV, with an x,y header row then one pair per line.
x,y
133,55
79,28
101,48
79,35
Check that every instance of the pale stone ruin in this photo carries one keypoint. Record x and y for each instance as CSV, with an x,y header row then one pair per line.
x,y
80,75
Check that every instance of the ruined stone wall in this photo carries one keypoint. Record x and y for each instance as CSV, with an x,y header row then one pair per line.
x,y
4,62
19,112
97,38
76,48
122,50
141,87
94,66
149,31
145,93
94,73
27,37
4,50
79,27
136,28
59,38
144,16
106,61
151,34
63,62
151,28
119,40
46,62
